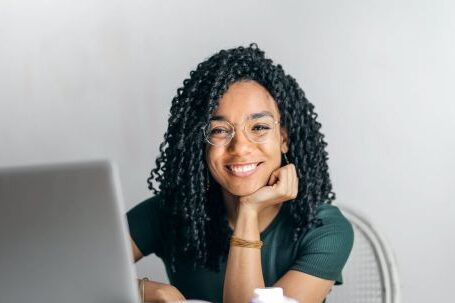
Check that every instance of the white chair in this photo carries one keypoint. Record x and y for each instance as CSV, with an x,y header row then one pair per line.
x,y
370,274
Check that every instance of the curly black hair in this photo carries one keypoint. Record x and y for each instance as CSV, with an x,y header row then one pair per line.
x,y
191,199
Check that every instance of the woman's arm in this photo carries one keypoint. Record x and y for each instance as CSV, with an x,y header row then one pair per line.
x,y
304,287
155,291
161,292
137,254
244,270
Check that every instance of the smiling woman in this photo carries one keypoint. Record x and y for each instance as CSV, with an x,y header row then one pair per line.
x,y
242,190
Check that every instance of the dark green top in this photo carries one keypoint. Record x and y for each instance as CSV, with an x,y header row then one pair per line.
x,y
321,251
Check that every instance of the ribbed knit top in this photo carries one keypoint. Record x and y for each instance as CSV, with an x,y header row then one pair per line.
x,y
321,251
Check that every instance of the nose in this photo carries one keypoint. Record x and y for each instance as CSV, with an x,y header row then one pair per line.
x,y
240,144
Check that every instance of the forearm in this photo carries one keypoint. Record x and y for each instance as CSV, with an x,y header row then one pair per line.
x,y
158,292
243,269
150,289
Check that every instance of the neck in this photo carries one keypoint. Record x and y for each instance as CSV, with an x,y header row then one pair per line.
x,y
265,217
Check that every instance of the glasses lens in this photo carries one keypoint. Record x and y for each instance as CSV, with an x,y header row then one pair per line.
x,y
260,129
218,132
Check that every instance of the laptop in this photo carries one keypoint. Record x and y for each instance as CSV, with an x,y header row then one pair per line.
x,y
63,235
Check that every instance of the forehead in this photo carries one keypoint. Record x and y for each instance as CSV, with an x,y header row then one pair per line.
x,y
245,98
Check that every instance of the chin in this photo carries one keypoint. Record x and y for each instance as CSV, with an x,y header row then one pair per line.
x,y
243,190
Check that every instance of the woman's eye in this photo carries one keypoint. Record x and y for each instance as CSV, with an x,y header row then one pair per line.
x,y
218,131
260,127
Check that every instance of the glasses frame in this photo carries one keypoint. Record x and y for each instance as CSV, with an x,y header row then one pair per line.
x,y
275,122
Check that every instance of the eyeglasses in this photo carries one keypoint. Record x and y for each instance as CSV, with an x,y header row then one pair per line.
x,y
256,129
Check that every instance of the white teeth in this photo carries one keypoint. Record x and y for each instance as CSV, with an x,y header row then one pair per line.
x,y
242,168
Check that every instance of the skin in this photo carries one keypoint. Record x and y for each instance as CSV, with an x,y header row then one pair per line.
x,y
242,99
154,291
252,201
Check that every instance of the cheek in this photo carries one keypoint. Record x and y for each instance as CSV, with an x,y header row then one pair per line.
x,y
274,155
212,158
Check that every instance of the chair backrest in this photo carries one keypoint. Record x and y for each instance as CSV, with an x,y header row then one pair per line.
x,y
370,274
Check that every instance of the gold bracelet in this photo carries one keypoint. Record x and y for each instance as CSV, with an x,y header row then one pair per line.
x,y
143,288
141,293
245,243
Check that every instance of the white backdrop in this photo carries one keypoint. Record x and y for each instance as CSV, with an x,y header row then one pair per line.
x,y
94,79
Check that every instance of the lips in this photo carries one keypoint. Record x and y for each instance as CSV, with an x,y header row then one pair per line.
x,y
243,170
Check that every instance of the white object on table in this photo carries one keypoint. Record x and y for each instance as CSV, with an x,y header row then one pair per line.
x,y
270,295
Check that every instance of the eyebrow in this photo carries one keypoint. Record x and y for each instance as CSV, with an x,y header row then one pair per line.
x,y
251,116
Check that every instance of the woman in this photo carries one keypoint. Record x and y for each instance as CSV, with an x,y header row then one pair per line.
x,y
244,196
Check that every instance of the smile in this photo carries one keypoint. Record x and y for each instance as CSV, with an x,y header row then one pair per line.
x,y
242,170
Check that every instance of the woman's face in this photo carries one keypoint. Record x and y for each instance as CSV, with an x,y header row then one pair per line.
x,y
242,167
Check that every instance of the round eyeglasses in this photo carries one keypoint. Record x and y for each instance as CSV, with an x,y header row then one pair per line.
x,y
257,130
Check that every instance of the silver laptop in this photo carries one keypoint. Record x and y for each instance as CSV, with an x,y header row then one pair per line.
x,y
63,236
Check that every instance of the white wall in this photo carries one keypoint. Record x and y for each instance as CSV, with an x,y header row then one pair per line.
x,y
94,79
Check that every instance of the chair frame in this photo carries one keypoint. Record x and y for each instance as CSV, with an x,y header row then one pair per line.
x,y
387,262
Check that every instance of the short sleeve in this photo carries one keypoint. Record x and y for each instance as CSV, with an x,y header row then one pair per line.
x,y
324,250
144,225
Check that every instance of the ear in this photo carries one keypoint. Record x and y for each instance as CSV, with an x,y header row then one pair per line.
x,y
284,140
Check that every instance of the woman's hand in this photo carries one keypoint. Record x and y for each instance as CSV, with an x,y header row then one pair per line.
x,y
156,292
282,186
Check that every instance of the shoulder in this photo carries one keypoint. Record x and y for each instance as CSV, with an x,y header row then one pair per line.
x,y
334,235
152,204
145,225
331,215
146,213
324,249
334,227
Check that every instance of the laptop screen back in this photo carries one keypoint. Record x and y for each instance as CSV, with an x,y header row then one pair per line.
x,y
63,236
